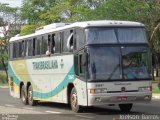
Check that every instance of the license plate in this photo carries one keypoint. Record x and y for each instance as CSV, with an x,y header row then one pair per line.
x,y
123,98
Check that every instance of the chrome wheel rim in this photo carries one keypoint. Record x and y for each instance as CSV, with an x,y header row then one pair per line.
x,y
30,95
74,100
23,96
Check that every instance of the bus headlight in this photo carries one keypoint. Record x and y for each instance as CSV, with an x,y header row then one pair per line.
x,y
145,89
102,90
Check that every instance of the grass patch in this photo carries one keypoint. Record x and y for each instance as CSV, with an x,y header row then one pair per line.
x,y
155,81
3,80
3,84
156,90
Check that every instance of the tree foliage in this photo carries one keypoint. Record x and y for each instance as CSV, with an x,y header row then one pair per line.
x,y
28,29
32,9
8,16
145,11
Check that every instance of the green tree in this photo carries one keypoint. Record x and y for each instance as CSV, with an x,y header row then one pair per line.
x,y
8,16
145,11
28,29
32,9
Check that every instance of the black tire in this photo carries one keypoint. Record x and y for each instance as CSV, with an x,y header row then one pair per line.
x,y
31,101
24,95
74,101
125,107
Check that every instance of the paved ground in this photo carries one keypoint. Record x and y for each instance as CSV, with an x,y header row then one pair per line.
x,y
54,111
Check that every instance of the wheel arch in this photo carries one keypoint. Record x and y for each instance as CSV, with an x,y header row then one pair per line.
x,y
28,84
20,87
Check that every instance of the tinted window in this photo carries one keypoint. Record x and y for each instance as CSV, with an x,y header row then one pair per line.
x,y
115,35
53,44
11,51
14,50
20,49
38,45
135,62
30,46
104,63
80,39
57,42
34,46
23,49
26,47
131,35
66,35
44,44
101,35
76,65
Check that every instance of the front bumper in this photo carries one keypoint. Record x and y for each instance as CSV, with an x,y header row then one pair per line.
x,y
113,98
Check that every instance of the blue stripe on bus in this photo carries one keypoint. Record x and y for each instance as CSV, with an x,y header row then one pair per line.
x,y
70,77
11,73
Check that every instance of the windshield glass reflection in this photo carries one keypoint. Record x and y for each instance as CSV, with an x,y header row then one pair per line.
x,y
104,63
135,62
118,63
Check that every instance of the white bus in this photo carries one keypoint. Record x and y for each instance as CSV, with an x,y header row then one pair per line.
x,y
83,64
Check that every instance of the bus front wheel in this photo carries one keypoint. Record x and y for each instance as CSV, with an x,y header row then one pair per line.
x,y
125,107
24,95
74,101
31,101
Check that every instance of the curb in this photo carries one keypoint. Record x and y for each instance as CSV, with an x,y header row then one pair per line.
x,y
156,96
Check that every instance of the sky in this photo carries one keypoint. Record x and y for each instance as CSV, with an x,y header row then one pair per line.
x,y
12,3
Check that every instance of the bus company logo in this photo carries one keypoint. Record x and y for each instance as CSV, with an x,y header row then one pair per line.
x,y
45,65
123,89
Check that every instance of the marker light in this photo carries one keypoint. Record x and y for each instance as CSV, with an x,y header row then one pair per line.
x,y
145,89
102,90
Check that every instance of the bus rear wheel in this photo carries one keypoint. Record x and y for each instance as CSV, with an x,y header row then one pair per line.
x,y
74,101
31,101
125,107
24,95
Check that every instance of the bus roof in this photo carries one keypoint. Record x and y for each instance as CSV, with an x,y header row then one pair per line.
x,y
61,26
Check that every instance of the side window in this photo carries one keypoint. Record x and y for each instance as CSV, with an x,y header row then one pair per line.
x,y
23,49
49,44
34,46
70,41
14,49
20,49
76,65
38,45
53,44
44,44
66,35
30,46
57,42
11,51
17,50
80,64
26,47
80,38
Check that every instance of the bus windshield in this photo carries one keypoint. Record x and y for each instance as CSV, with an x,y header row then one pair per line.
x,y
135,62
118,63
115,35
104,63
